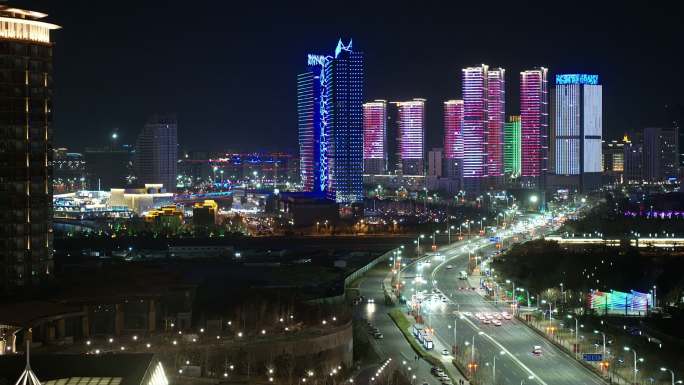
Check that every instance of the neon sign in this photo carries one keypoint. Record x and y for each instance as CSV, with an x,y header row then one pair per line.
x,y
617,302
314,60
576,79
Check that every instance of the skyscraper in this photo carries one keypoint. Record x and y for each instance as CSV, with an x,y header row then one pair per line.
x,y
375,137
475,117
534,121
660,156
411,136
330,98
512,147
496,115
453,137
25,149
156,152
578,127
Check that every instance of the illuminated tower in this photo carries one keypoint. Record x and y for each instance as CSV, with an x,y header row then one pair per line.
x,y
411,135
330,98
453,137
496,109
578,128
25,149
512,147
475,99
375,137
534,118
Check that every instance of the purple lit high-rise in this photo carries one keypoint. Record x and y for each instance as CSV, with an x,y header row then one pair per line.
x,y
534,116
474,127
411,136
453,137
375,137
496,115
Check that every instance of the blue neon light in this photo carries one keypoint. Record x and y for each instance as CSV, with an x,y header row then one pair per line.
x,y
576,79
340,47
316,60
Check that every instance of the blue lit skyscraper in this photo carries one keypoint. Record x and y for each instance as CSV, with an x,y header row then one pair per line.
x,y
330,109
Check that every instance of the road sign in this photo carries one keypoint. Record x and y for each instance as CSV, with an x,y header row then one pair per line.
x,y
495,239
592,357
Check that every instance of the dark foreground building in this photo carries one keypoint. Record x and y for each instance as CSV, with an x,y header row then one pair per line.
x,y
25,148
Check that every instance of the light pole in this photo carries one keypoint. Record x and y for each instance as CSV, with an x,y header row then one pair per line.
x,y
576,330
550,312
604,342
434,237
512,292
494,367
449,232
528,377
627,348
671,372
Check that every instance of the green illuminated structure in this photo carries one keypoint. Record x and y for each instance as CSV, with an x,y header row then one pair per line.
x,y
512,139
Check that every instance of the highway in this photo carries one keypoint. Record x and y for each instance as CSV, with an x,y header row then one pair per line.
x,y
512,343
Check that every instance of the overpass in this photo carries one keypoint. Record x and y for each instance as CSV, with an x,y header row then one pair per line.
x,y
666,242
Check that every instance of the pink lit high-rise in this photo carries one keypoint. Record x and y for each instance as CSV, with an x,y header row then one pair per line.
x,y
534,112
375,137
411,135
474,127
453,137
496,115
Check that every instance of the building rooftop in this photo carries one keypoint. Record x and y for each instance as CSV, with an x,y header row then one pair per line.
x,y
109,369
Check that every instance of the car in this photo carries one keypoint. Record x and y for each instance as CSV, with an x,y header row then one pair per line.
x,y
445,352
537,350
449,267
467,314
496,322
424,382
378,336
507,317
486,321
498,316
371,300
434,369
445,380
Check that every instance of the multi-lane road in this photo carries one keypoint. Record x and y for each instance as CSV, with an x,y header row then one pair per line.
x,y
512,342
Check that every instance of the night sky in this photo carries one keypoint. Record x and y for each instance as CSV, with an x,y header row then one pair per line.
x,y
228,69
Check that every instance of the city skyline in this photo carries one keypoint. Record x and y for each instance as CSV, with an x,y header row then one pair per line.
x,y
228,117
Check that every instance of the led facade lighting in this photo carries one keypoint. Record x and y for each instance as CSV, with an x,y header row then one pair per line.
x,y
496,109
512,147
375,137
474,123
534,117
453,136
411,134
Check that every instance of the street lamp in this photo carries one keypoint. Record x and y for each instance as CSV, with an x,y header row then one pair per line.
x,y
576,329
449,232
494,367
530,377
604,342
672,373
627,348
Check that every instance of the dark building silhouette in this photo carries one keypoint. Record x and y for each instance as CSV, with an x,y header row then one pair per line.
x,y
156,152
25,148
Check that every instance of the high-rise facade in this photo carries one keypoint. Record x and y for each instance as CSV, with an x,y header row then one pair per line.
x,y
474,129
156,152
578,129
330,99
375,137
25,149
512,147
453,137
534,122
411,136
661,155
496,115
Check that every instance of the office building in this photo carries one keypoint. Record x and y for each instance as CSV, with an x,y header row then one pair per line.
x,y
660,154
375,137
634,159
26,149
156,152
435,157
411,136
614,159
578,130
675,119
330,99
534,125
512,147
453,138
496,115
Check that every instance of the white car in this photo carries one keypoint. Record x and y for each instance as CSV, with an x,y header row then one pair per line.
x,y
537,350
496,322
507,316
371,300
445,352
449,267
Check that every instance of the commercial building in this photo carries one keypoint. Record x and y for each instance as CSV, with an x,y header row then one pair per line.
x,y
661,154
330,98
534,123
26,143
512,147
577,131
375,137
614,159
204,213
139,200
634,159
411,136
453,138
156,152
